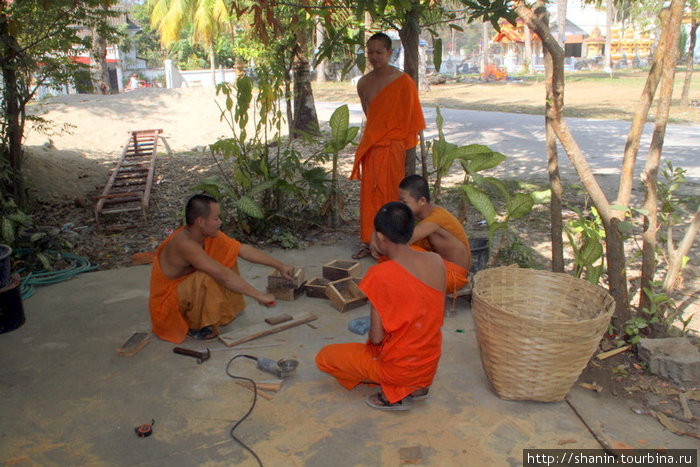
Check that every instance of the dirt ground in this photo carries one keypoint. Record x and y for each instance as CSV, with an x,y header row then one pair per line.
x,y
70,166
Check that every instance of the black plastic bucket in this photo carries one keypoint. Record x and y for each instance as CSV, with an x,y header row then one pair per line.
x,y
480,253
11,308
5,260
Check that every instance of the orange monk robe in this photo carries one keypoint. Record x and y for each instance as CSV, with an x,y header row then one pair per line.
x,y
394,119
407,359
456,275
165,304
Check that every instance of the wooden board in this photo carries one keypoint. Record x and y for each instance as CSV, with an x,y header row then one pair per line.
x,y
283,318
411,455
133,344
240,336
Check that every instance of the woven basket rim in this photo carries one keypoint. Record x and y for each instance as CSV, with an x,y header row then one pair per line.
x,y
605,310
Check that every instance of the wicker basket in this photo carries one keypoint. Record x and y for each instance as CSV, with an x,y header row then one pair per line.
x,y
537,330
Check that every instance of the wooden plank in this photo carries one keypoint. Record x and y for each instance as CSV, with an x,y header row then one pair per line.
x,y
240,336
283,318
610,353
133,344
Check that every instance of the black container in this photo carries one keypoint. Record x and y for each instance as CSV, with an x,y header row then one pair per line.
x,y
5,260
480,253
11,308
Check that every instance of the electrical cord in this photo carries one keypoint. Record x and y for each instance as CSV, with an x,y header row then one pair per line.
x,y
252,406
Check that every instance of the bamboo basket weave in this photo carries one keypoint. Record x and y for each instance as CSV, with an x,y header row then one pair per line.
x,y
537,330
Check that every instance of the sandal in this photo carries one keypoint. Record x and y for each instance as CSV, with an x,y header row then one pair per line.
x,y
420,394
207,333
378,401
362,253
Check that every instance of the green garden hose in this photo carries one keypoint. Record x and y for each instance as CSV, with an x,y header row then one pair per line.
x,y
78,266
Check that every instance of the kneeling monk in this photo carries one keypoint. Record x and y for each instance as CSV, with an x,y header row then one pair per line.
x,y
407,296
195,285
437,230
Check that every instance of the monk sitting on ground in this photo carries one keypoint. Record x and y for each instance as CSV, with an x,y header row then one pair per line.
x,y
437,230
407,296
389,98
195,284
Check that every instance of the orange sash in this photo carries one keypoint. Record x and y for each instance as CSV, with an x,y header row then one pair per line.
x,y
164,305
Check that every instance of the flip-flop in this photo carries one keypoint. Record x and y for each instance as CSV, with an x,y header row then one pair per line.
x,y
420,397
377,401
362,253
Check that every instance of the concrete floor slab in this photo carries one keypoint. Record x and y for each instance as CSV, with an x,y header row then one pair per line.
x,y
69,399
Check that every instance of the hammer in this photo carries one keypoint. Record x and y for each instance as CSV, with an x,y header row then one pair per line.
x,y
200,356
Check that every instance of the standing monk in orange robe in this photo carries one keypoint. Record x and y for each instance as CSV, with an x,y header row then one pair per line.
x,y
195,285
407,296
394,117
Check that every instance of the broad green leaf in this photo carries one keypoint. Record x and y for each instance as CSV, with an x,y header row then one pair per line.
x,y
249,207
625,227
520,205
481,202
437,53
260,187
351,134
37,236
8,231
45,263
618,207
541,197
339,122
591,252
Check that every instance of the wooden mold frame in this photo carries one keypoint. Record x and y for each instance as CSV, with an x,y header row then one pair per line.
x,y
340,269
284,289
316,287
345,294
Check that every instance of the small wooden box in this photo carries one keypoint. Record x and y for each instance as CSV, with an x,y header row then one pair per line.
x,y
339,269
276,281
316,287
286,293
345,294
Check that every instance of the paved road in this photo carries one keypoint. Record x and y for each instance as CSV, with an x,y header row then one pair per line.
x,y
521,138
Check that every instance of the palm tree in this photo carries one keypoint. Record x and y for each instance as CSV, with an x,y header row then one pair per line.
x,y
209,19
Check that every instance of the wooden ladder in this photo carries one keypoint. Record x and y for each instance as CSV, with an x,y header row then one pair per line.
x,y
129,186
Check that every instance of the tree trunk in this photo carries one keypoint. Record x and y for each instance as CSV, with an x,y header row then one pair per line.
x,y
609,10
528,50
212,62
485,40
689,64
13,109
676,255
640,116
553,163
100,78
561,23
617,278
305,118
320,66
651,168
409,35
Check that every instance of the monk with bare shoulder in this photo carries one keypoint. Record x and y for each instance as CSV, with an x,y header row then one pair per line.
x,y
389,99
195,284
